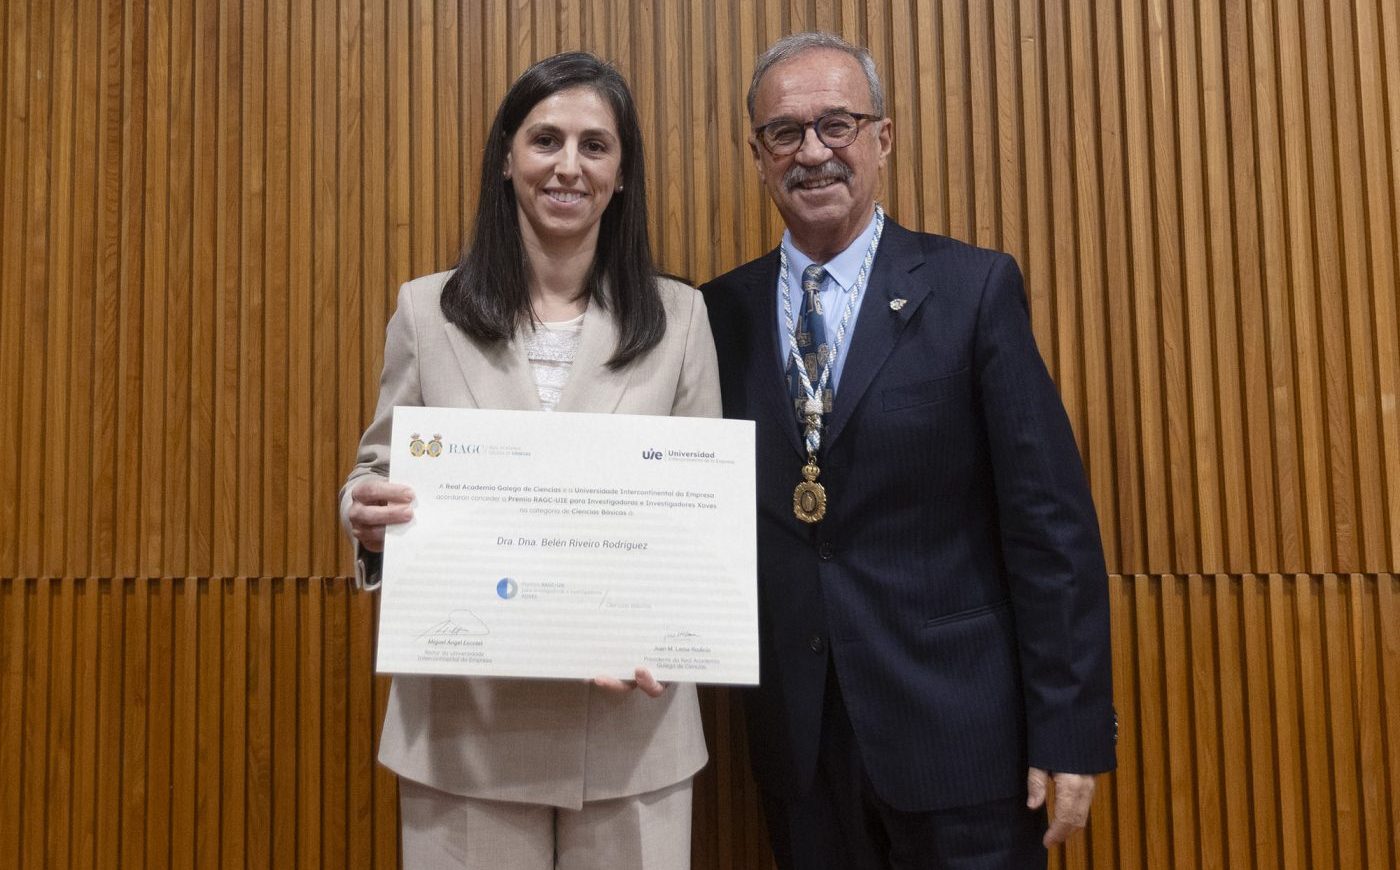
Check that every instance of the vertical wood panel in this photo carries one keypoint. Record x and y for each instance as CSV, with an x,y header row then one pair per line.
x,y
1205,722
1125,785
259,803
1313,701
1383,231
315,76
58,785
1229,605
85,733
33,288
1344,813
159,521
1388,617
135,708
1151,722
204,309
182,444
1301,255
1335,449
109,712
160,732
286,644
286,320
334,721
233,721
206,650
77,264
1374,819
310,422
385,784
1037,167
1263,782
1220,319
12,131
1259,499
106,285
1283,650
310,721
1357,425
362,724
1283,422
260,325
186,723
1181,739
343,342
33,818
1199,362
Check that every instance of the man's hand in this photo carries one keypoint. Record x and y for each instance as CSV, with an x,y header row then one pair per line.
x,y
645,681
1073,793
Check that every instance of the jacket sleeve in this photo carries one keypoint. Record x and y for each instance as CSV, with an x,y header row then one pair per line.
x,y
1049,538
398,385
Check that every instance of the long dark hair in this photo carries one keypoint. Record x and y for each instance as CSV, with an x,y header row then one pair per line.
x,y
488,295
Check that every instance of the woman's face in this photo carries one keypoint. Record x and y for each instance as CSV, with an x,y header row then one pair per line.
x,y
565,161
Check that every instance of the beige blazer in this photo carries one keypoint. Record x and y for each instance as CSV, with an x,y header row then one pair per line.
x,y
558,742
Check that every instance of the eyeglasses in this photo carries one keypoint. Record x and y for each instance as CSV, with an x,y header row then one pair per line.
x,y
785,136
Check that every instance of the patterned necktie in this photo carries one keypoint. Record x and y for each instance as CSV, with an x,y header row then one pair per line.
x,y
811,343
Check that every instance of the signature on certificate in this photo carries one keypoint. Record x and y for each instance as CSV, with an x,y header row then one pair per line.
x,y
459,623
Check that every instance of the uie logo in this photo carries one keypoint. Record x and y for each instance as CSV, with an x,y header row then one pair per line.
x,y
651,453
506,588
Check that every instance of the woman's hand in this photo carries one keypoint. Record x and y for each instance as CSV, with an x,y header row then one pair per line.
x,y
375,504
644,681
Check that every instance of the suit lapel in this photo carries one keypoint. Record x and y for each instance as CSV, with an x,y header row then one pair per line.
x,y
880,323
496,376
769,388
592,386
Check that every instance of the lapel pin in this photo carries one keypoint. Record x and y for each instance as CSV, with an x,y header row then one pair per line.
x,y
896,304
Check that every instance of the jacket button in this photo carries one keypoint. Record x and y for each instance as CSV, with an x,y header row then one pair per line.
x,y
825,551
817,643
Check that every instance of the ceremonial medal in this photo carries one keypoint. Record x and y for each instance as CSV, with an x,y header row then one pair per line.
x,y
809,498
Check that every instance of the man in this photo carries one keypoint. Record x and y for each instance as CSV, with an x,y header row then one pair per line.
x,y
933,601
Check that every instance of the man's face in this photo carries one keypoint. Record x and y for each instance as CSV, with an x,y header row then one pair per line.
x,y
826,195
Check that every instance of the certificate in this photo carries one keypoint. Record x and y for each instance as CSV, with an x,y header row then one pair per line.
x,y
571,545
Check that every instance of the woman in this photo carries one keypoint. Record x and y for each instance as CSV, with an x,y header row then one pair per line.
x,y
556,305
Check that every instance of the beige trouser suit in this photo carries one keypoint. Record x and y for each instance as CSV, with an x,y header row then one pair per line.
x,y
499,773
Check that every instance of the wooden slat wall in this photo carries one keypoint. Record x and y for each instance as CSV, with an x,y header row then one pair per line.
x,y
228,722
205,208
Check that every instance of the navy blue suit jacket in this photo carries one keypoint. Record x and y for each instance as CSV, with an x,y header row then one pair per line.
x,y
957,582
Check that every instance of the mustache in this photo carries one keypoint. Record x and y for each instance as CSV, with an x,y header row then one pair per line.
x,y
798,174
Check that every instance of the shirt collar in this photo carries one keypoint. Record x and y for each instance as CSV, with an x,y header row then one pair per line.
x,y
844,267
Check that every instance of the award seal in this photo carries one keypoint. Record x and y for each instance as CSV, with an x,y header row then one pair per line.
x,y
809,498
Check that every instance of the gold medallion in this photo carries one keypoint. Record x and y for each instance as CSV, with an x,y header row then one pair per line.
x,y
809,498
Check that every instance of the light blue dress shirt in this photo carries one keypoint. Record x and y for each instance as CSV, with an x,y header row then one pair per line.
x,y
841,272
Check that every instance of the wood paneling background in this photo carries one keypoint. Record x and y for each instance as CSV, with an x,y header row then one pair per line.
x,y
181,722
207,206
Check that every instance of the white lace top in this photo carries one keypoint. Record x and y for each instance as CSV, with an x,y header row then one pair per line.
x,y
551,348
